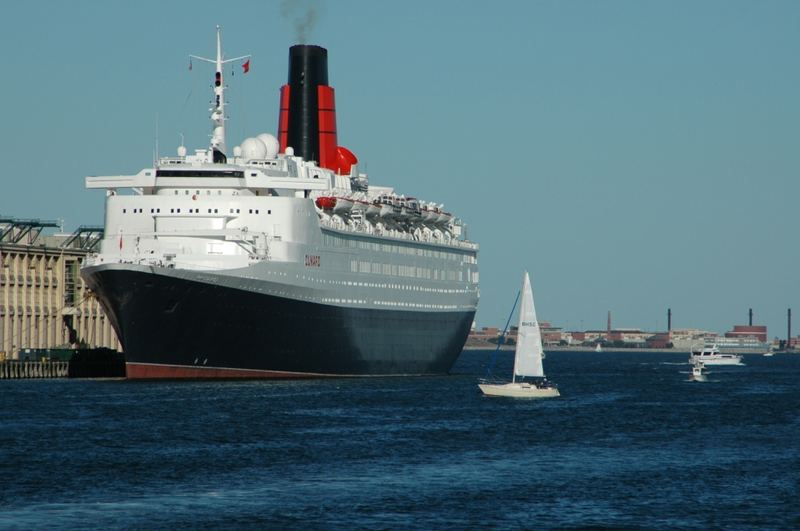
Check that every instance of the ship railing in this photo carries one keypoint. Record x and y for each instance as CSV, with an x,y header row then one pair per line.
x,y
255,244
168,261
242,233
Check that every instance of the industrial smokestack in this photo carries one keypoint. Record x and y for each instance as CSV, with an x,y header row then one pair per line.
x,y
669,319
789,328
751,317
307,120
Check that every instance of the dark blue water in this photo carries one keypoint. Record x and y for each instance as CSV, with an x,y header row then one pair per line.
x,y
631,443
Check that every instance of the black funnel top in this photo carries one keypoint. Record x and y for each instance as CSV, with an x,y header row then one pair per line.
x,y
308,68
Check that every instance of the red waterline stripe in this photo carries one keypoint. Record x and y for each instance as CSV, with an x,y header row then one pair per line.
x,y
139,371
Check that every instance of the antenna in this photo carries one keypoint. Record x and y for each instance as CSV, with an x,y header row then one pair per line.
x,y
218,103
155,155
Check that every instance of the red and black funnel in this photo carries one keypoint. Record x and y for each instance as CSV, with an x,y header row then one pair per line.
x,y
307,120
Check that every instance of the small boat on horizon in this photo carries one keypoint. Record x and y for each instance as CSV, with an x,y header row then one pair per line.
x,y
699,372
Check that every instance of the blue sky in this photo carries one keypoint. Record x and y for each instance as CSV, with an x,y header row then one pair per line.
x,y
633,155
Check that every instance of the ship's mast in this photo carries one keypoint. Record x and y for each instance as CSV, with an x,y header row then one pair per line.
x,y
218,104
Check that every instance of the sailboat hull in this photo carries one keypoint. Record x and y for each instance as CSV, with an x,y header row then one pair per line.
x,y
519,390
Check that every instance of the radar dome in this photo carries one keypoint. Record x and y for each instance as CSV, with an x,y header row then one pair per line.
x,y
181,151
289,151
237,151
253,148
273,146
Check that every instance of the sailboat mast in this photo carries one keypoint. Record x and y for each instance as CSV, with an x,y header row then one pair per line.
x,y
493,359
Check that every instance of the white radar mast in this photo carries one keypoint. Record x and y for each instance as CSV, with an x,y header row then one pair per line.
x,y
218,110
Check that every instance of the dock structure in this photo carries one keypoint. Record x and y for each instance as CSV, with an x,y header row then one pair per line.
x,y
44,302
14,369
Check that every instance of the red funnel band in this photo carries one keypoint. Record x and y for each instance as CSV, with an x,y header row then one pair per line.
x,y
283,118
307,119
327,127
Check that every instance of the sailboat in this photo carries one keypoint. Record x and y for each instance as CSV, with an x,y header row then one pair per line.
x,y
527,358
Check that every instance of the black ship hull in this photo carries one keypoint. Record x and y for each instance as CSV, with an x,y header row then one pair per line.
x,y
179,328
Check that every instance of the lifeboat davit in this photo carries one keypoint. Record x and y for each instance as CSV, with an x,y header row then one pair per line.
x,y
387,207
360,206
326,203
373,209
412,209
401,208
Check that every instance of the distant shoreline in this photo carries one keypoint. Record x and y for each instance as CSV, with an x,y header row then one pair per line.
x,y
489,346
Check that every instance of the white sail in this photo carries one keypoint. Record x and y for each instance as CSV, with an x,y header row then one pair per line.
x,y
528,358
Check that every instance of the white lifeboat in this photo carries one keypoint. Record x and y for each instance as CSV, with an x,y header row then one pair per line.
x,y
360,207
343,205
412,209
387,207
430,213
401,208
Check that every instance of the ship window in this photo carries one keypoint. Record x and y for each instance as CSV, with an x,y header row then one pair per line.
x,y
186,192
237,210
172,210
250,211
124,211
269,211
215,211
176,192
209,211
158,211
198,173
179,211
256,211
208,192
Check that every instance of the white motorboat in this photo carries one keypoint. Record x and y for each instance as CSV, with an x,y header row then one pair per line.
x,y
699,372
527,358
712,356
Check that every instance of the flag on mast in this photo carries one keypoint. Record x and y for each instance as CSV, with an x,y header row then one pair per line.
x,y
246,66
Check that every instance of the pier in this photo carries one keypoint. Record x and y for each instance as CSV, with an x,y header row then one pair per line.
x,y
13,369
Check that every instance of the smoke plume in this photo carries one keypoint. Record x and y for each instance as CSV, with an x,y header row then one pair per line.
x,y
302,14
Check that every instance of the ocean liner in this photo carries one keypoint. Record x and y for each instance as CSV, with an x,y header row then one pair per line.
x,y
279,259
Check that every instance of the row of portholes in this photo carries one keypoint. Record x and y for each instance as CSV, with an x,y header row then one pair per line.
x,y
193,211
